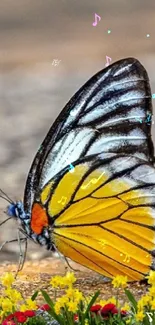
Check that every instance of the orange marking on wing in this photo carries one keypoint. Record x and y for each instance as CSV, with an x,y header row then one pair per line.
x,y
39,218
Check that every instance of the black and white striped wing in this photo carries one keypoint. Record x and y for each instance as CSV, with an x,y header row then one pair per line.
x,y
103,116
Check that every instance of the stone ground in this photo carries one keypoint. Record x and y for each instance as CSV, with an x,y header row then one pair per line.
x,y
37,275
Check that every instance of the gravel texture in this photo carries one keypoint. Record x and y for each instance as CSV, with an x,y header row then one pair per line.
x,y
37,275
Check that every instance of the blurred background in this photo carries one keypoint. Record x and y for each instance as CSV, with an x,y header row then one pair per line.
x,y
48,49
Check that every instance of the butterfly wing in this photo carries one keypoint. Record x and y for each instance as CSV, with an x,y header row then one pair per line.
x,y
102,212
104,218
100,117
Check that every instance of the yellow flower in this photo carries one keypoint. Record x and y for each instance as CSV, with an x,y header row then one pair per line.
x,y
57,307
54,282
69,279
63,300
152,303
113,300
102,302
13,294
7,305
74,294
152,290
57,281
126,307
140,316
140,304
146,299
151,277
60,303
70,292
23,307
143,302
86,322
78,296
127,321
72,306
120,281
31,304
7,279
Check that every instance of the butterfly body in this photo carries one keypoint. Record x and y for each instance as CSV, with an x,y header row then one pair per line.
x,y
43,238
90,192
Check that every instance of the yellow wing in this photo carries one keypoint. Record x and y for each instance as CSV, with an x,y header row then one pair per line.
x,y
103,214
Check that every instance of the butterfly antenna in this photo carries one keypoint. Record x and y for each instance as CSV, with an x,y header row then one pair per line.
x,y
4,196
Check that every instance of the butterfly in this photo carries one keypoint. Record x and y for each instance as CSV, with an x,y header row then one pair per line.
x,y
101,212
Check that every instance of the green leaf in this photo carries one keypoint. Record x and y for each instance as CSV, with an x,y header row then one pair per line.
x,y
131,298
52,312
47,298
37,320
34,296
91,303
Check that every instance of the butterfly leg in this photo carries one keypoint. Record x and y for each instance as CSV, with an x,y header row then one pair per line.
x,y
13,241
61,258
8,242
22,256
70,265
64,258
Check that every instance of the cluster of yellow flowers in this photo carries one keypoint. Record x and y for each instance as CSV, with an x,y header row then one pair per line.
x,y
147,300
72,296
120,281
11,300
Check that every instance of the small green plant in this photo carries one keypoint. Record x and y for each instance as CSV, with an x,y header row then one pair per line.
x,y
73,308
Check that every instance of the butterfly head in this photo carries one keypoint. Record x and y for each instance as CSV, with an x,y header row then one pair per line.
x,y
16,210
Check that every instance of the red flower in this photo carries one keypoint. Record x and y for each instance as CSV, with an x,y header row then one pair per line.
x,y
95,308
21,318
75,317
8,322
109,308
18,314
29,313
45,307
10,317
